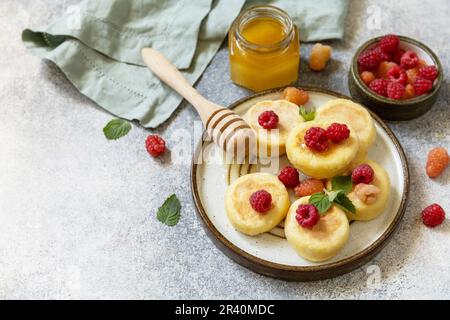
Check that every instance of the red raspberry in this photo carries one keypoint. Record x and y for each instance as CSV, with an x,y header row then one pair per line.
x,y
398,74
433,215
437,161
155,145
307,215
268,120
384,56
370,60
309,187
316,139
289,176
422,86
389,43
338,132
428,72
395,90
397,55
261,201
379,86
409,60
362,174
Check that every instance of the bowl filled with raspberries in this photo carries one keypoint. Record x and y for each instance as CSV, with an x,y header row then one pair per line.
x,y
397,77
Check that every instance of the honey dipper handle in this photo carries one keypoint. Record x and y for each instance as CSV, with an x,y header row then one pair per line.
x,y
169,74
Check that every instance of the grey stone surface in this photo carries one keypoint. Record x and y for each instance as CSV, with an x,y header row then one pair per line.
x,y
77,213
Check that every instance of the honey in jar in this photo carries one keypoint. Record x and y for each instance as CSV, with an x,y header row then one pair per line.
x,y
264,49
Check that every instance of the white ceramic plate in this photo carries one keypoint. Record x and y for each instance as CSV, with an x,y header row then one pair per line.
x,y
270,253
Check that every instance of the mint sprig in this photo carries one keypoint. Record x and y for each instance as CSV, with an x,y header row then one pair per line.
x,y
341,186
116,128
320,201
345,203
307,115
332,195
343,183
169,212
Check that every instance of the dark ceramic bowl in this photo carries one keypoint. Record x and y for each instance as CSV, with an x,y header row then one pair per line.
x,y
390,109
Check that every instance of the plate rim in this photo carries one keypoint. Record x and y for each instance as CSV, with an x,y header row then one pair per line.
x,y
302,273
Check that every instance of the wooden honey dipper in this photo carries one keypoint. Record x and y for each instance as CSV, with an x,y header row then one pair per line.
x,y
228,130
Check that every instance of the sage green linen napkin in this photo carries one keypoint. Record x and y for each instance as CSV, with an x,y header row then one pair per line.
x,y
315,19
97,45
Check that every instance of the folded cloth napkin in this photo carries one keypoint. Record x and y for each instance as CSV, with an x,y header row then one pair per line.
x,y
97,45
316,19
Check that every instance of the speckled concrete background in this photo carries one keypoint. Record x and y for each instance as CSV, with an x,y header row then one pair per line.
x,y
77,213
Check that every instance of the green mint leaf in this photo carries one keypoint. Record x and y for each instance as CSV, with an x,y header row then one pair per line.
x,y
307,115
344,202
343,183
169,212
320,201
116,128
332,195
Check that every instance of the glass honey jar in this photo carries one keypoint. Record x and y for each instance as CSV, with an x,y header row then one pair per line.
x,y
264,48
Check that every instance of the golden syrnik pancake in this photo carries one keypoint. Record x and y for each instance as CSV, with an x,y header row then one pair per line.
x,y
324,240
369,211
240,212
320,165
356,116
273,142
